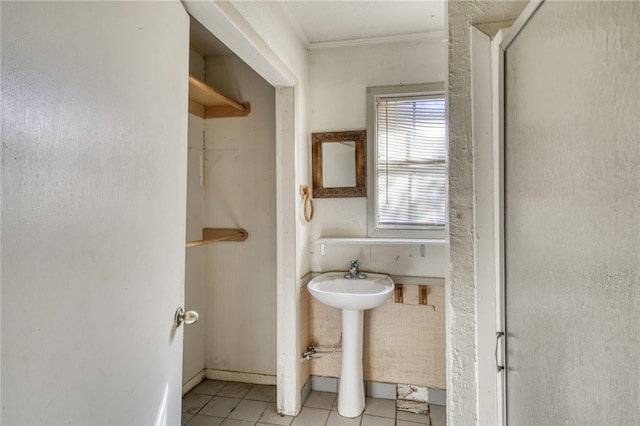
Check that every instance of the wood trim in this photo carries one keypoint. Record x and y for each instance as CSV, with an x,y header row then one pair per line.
x,y
206,102
196,109
398,294
339,192
206,95
215,235
357,136
422,295
217,111
225,111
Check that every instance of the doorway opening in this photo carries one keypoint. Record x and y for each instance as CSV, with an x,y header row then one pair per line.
x,y
231,184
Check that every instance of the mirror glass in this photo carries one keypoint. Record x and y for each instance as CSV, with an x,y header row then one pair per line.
x,y
339,164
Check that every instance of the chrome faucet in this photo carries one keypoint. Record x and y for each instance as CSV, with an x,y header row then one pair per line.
x,y
354,272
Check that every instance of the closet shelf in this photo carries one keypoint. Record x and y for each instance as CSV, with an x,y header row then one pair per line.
x,y
206,102
216,235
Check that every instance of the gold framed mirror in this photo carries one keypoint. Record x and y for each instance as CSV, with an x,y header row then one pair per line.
x,y
339,164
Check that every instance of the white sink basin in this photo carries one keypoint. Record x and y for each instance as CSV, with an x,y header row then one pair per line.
x,y
356,294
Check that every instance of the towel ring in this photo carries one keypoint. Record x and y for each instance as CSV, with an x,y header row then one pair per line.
x,y
308,201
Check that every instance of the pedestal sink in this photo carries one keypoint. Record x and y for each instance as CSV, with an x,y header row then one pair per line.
x,y
353,296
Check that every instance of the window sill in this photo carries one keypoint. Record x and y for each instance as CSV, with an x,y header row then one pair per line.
x,y
382,241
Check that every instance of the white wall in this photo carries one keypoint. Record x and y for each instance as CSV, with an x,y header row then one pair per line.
x,y
240,188
270,21
461,304
93,194
338,81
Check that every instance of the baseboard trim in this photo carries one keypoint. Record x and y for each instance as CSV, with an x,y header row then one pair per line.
x,y
306,390
324,384
192,382
237,376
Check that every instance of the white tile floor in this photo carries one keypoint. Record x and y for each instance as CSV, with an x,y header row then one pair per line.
x,y
214,403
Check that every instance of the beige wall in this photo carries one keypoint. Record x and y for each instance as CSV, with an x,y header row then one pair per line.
x,y
232,285
403,343
240,192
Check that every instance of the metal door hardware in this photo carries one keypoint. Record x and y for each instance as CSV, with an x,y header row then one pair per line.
x,y
188,317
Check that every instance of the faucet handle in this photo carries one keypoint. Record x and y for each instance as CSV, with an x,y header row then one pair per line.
x,y
354,263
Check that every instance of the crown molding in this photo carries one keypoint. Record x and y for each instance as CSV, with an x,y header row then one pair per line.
x,y
432,35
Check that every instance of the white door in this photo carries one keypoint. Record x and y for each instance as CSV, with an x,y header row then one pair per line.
x,y
572,216
94,125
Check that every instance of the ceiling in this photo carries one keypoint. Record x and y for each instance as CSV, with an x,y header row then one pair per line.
x,y
322,22
339,21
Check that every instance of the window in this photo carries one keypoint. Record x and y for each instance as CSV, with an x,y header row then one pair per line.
x,y
407,137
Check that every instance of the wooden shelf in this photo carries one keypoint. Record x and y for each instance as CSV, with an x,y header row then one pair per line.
x,y
206,102
216,235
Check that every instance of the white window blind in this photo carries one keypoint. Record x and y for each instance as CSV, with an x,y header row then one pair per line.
x,y
411,162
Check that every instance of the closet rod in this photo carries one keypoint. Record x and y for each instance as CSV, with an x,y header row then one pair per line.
x,y
216,235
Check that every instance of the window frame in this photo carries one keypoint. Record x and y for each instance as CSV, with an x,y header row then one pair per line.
x,y
428,89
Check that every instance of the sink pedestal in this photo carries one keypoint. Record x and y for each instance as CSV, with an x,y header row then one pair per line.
x,y
353,296
351,389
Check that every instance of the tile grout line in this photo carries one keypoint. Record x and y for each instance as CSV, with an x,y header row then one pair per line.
x,y
271,400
